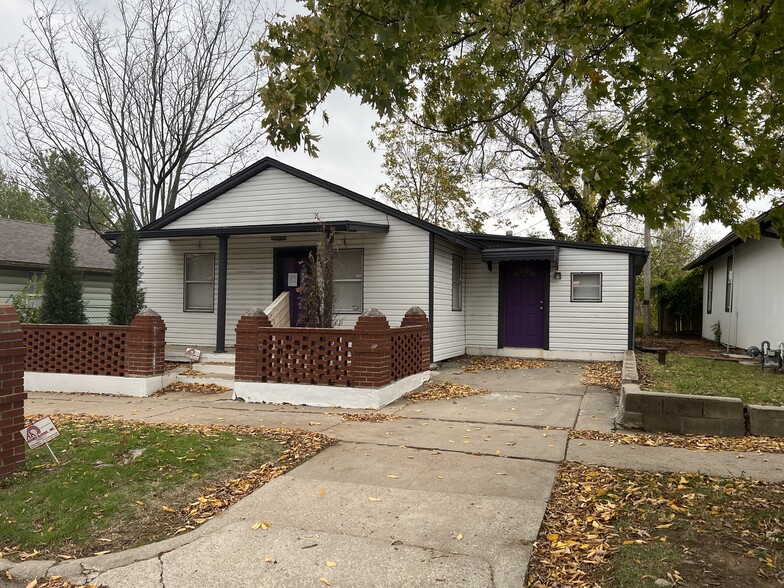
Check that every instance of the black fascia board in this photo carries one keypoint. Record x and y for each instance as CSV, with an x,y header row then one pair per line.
x,y
269,162
638,254
728,242
339,226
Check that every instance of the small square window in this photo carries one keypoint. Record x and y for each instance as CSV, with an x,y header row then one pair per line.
x,y
199,282
586,287
457,282
348,281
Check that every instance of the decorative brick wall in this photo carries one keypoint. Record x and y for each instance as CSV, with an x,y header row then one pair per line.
x,y
12,395
371,355
135,350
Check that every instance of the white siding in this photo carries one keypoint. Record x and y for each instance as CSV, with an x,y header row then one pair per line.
x,y
590,326
395,276
275,197
757,310
449,326
481,302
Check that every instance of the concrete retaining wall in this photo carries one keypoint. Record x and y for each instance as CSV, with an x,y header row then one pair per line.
x,y
697,415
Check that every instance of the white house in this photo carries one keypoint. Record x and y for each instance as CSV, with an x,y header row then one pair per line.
x,y
742,286
240,244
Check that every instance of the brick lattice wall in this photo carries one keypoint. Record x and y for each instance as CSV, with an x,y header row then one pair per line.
x,y
76,349
371,355
12,395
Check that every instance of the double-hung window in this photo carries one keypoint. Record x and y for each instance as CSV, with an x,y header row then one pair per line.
x,y
457,282
199,282
349,281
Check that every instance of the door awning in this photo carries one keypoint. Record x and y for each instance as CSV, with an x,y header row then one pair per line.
x,y
543,252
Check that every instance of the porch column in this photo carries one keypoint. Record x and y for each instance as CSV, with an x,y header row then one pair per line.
x,y
223,258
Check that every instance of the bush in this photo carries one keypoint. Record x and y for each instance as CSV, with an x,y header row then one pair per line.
x,y
127,294
62,300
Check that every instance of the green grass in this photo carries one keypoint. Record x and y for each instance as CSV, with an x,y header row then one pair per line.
x,y
639,566
101,499
694,375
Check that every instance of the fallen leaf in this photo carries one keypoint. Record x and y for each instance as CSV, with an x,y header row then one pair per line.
x,y
371,499
167,509
459,536
322,491
325,581
394,477
330,564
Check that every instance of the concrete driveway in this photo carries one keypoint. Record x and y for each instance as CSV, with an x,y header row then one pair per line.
x,y
451,494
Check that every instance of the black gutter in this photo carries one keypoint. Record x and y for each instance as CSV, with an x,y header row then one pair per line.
x,y
729,241
339,226
431,302
632,296
223,259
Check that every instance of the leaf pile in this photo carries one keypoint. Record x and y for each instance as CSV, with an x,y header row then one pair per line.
x,y
480,363
444,391
596,511
54,582
375,417
695,442
193,388
606,374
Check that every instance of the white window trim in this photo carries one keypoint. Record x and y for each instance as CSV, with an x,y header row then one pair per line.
x,y
186,281
457,305
589,300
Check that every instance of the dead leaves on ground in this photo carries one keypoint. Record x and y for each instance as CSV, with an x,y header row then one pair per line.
x,y
443,391
695,442
193,388
375,417
594,511
54,582
605,374
480,363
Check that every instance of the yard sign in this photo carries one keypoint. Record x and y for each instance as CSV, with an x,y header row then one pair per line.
x,y
40,433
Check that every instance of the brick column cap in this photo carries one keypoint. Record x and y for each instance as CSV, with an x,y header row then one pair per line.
x,y
416,311
147,311
257,312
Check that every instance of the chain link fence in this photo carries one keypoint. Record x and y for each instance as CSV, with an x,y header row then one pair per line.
x,y
97,315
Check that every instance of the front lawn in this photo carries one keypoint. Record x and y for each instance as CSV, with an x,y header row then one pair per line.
x,y
123,484
695,375
628,529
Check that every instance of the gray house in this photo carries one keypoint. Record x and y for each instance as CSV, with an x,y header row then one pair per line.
x,y
24,256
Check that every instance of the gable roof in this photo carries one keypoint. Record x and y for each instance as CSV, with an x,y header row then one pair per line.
x,y
267,163
26,245
732,240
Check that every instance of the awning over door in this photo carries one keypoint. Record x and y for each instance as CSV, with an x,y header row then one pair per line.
x,y
544,252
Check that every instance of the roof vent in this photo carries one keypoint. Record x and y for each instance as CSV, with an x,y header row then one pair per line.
x,y
509,233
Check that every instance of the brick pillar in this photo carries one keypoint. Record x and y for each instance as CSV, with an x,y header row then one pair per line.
x,y
246,360
12,394
415,316
145,350
371,352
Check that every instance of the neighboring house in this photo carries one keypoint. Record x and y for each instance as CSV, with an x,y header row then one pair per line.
x,y
742,286
241,243
24,256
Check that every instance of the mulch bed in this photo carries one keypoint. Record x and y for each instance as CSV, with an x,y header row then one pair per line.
x,y
480,363
605,374
193,388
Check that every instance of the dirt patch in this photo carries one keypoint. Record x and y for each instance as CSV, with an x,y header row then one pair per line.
x,y
695,442
692,346
193,388
480,363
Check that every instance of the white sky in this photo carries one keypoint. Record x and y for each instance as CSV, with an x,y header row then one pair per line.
x,y
344,155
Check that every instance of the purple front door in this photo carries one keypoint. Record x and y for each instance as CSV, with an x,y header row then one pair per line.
x,y
290,271
524,303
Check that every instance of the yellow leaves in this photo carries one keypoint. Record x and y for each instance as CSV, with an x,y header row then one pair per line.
x,y
553,537
167,509
268,559
603,374
373,499
32,584
325,581
330,564
459,537
322,491
694,442
664,526
103,552
263,525
444,391
365,417
481,363
392,476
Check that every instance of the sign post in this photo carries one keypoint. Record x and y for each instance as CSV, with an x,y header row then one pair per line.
x,y
40,433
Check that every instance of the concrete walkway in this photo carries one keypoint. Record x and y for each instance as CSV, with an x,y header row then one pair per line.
x,y
452,494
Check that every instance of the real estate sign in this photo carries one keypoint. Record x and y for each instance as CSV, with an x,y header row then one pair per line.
x,y
40,433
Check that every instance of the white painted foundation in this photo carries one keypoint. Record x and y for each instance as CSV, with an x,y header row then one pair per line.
x,y
327,396
121,386
551,354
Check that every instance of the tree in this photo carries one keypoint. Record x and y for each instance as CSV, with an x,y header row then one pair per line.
x,y
152,99
62,298
18,203
684,98
127,294
62,181
317,291
425,180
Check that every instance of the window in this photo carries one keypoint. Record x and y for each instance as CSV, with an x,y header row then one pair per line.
x,y
586,287
199,282
728,290
348,280
457,282
710,290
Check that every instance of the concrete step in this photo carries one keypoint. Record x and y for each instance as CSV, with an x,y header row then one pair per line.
x,y
208,368
219,379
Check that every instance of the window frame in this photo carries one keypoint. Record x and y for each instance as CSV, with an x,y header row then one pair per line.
x,y
580,300
728,283
709,295
360,280
186,282
459,263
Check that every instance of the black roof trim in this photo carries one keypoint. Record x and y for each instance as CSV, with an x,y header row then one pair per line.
x,y
339,226
269,162
727,243
639,254
548,252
